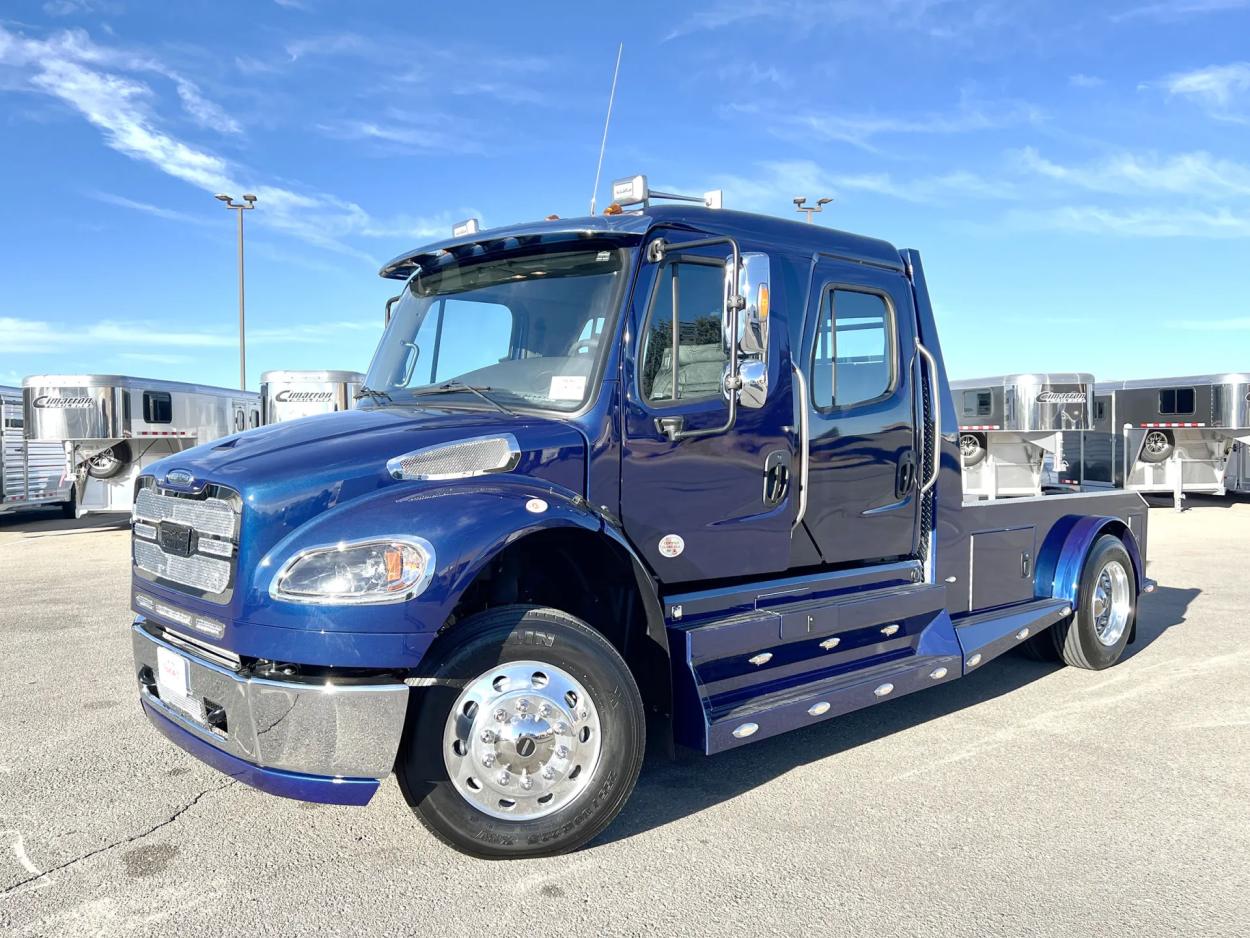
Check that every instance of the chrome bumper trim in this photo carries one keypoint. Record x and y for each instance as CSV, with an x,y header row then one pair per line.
x,y
345,731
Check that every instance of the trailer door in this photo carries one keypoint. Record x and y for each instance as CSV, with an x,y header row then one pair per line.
x,y
863,470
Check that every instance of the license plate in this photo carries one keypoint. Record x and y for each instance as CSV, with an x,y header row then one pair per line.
x,y
171,681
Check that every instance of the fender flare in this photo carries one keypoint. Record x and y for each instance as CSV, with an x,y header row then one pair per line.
x,y
1063,553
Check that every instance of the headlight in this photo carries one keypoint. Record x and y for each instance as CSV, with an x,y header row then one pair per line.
x,y
375,571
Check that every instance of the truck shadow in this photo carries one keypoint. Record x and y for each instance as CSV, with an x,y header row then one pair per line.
x,y
1200,502
37,522
670,789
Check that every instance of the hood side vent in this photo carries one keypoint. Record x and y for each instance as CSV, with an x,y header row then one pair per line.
x,y
460,459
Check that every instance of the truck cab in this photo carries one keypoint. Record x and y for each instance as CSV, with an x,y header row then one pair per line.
x,y
677,461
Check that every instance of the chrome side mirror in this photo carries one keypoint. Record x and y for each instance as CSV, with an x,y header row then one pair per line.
x,y
753,287
753,383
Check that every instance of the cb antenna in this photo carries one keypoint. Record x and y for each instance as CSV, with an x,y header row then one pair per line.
x,y
606,121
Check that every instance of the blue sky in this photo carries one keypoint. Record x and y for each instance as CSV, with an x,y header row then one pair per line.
x,y
1076,175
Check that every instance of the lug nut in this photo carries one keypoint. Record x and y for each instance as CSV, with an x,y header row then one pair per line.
x,y
501,715
544,710
548,772
488,736
526,782
562,751
488,759
522,706
504,778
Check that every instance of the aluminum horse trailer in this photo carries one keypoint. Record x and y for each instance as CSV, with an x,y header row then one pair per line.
x,y
1171,435
114,426
1011,429
33,474
287,395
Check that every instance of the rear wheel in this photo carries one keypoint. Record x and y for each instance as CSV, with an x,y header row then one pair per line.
x,y
108,463
530,740
1096,635
1157,446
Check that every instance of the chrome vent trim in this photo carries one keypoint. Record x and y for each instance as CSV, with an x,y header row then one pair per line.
x,y
460,459
197,571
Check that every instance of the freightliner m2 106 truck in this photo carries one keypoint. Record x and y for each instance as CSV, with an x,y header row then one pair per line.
x,y
676,462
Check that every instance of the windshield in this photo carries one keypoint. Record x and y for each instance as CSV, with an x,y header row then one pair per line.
x,y
529,331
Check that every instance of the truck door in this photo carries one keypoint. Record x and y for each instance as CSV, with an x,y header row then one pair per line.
x,y
858,356
705,507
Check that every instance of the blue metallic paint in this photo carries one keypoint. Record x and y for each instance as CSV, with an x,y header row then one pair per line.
x,y
318,788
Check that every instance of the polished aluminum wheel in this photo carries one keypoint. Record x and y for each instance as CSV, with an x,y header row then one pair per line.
x,y
969,446
522,740
1112,602
1156,444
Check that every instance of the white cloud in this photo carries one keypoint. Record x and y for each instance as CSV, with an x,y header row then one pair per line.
x,y
1081,80
1197,174
1216,86
1179,9
148,208
205,112
940,19
1133,222
35,336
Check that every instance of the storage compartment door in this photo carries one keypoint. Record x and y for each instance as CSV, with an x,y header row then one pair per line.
x,y
1002,567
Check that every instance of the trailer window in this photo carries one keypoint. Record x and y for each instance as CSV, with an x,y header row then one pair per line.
x,y
697,291
1176,401
13,423
1100,410
158,407
977,403
853,357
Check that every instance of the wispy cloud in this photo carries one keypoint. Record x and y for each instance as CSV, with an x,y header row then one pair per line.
x,y
1179,9
1081,80
1219,89
863,130
156,358
148,208
1199,175
35,336
1136,223
407,131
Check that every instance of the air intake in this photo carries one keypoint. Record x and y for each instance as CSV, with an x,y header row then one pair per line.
x,y
458,460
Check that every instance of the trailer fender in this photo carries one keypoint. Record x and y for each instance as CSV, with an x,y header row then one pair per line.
x,y
1063,553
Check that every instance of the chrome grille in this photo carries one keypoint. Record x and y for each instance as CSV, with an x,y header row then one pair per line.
x,y
198,571
207,516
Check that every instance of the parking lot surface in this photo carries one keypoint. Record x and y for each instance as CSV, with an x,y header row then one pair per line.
x,y
1026,798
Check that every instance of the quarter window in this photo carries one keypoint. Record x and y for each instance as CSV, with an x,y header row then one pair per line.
x,y
977,403
853,361
696,291
1176,401
158,407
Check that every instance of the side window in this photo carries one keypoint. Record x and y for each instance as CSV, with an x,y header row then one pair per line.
x,y
460,336
158,407
1100,410
1176,401
696,291
853,358
977,403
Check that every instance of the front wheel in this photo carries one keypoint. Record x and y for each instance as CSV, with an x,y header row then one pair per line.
x,y
530,740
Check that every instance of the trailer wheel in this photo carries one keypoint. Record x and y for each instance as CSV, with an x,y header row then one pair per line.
x,y
528,741
1157,446
1095,636
971,448
109,462
69,509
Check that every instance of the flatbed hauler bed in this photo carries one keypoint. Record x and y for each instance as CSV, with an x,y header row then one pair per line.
x,y
684,462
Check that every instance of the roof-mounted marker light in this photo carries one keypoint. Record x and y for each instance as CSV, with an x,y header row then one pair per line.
x,y
467,227
635,191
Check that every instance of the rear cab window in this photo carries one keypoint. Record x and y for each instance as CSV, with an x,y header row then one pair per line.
x,y
854,355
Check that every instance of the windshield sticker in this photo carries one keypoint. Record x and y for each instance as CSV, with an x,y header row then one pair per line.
x,y
603,255
567,387
671,545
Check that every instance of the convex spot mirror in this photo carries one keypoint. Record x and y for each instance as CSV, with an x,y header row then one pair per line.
x,y
748,327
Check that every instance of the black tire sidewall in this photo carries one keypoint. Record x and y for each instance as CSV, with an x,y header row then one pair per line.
x,y
520,633
1149,457
121,458
976,458
1083,631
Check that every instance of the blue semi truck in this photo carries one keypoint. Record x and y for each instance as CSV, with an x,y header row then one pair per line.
x,y
673,467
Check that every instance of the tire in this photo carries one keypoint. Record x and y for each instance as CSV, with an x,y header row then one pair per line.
x,y
454,739
109,462
971,448
1077,640
69,509
1157,446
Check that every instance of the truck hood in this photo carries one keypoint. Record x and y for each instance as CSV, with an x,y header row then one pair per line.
x,y
289,472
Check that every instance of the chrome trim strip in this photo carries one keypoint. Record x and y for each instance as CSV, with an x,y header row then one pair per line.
x,y
937,417
805,442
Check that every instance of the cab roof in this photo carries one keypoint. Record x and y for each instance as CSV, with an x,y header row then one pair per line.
x,y
630,228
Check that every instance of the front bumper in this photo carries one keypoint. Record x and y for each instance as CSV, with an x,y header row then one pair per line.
x,y
316,742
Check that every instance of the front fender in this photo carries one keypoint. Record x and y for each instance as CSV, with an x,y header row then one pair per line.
x,y
1063,553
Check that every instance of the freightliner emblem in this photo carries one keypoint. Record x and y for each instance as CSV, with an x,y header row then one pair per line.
x,y
179,477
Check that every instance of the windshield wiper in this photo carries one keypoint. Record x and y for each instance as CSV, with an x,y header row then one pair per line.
x,y
479,390
375,396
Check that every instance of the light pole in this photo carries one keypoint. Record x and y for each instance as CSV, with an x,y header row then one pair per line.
x,y
799,207
249,202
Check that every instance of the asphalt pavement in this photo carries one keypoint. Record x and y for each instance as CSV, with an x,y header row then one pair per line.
x,y
1024,799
